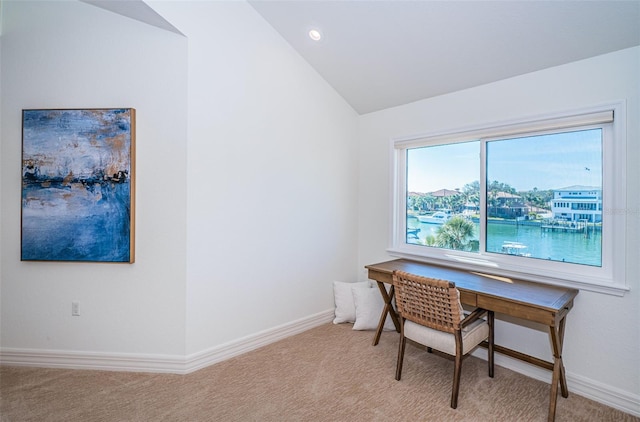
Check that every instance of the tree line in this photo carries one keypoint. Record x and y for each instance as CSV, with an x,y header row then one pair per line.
x,y
470,194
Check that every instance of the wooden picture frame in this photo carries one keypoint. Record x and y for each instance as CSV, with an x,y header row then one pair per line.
x,y
78,185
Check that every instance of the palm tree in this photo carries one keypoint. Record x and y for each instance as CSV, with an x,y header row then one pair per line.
x,y
420,202
455,234
471,192
430,240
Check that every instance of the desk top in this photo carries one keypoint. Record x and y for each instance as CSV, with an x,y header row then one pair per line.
x,y
542,296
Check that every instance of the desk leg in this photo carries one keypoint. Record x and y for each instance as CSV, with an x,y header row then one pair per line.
x,y
388,309
557,338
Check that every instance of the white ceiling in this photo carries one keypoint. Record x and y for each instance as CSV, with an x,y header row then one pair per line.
x,y
379,54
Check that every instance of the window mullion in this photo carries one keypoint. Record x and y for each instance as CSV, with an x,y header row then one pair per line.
x,y
483,196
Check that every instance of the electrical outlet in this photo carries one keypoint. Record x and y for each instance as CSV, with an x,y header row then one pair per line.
x,y
75,308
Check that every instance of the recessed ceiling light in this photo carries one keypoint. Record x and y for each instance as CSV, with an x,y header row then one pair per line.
x,y
315,35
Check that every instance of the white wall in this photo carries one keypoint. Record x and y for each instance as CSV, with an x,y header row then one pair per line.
x,y
602,337
73,55
246,171
272,200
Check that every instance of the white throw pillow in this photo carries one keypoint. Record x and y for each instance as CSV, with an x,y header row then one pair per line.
x,y
345,308
369,305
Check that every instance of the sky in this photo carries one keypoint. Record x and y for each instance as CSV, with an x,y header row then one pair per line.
x,y
543,162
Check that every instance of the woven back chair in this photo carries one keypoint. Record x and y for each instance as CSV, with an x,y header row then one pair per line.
x,y
431,314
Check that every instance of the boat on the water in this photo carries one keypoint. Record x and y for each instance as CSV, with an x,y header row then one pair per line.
x,y
515,248
438,217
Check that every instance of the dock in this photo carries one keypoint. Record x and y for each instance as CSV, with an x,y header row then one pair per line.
x,y
580,226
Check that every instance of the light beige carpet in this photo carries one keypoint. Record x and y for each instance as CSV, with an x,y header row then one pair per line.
x,y
329,373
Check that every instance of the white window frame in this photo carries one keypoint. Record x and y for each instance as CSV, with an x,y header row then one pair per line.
x,y
610,278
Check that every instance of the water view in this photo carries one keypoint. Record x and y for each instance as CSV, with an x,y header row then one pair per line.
x,y
542,196
572,247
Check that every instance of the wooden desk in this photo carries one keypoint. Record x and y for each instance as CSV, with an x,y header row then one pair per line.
x,y
544,304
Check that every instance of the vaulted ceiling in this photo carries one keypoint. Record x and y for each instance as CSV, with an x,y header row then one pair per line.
x,y
379,54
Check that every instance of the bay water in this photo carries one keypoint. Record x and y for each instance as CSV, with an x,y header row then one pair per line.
x,y
573,247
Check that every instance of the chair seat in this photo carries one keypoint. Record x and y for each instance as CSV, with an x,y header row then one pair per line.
x,y
472,335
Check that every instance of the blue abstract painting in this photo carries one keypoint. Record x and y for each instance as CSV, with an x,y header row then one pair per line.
x,y
78,185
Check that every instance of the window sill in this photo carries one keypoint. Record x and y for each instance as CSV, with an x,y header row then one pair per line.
x,y
480,264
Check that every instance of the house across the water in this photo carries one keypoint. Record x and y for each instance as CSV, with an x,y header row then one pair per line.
x,y
577,203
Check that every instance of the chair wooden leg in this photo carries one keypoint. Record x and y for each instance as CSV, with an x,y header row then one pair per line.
x,y
401,347
457,370
456,380
490,349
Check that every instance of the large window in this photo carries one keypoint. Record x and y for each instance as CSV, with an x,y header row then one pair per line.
x,y
534,198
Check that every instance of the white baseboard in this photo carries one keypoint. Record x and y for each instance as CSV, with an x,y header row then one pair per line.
x,y
237,347
91,360
174,364
577,384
